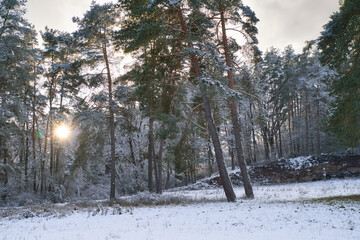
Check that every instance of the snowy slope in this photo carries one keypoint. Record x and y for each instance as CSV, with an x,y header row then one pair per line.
x,y
277,212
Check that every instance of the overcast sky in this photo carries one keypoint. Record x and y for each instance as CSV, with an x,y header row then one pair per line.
x,y
282,22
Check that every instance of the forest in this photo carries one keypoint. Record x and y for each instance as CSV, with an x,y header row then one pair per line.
x,y
150,95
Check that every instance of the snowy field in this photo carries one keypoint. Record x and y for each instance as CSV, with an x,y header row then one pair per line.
x,y
301,211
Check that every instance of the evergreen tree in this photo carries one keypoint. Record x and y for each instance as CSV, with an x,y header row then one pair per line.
x,y
239,14
62,71
95,33
197,19
143,28
340,49
17,38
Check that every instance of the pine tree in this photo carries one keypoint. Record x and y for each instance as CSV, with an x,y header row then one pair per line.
x,y
340,49
142,28
229,192
95,33
16,40
232,11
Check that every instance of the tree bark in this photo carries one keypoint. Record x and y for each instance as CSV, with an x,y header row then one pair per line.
x,y
265,136
276,137
280,143
26,170
34,132
231,152
156,168
132,154
111,125
291,145
318,151
52,165
253,134
227,185
168,174
307,133
230,147
150,154
6,177
59,147
234,114
210,158
48,124
159,165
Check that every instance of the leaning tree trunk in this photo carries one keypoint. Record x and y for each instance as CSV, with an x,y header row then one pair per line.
x,y
227,185
234,115
210,158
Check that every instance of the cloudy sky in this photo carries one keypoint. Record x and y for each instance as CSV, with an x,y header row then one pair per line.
x,y
282,22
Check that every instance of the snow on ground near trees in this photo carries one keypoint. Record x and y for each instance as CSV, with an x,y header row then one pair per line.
x,y
286,211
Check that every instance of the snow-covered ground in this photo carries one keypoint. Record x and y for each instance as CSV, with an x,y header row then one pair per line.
x,y
287,211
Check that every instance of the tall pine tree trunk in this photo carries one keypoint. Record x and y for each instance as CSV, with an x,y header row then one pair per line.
x,y
265,136
272,140
111,125
159,165
210,157
34,133
276,141
168,175
49,124
280,143
52,97
227,185
150,154
51,148
26,160
279,139
59,147
291,145
156,169
230,147
43,162
253,133
234,115
6,173
307,131
318,151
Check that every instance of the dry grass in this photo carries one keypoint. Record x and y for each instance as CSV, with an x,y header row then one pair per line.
x,y
103,207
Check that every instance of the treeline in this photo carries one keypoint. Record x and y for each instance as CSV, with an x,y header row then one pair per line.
x,y
191,100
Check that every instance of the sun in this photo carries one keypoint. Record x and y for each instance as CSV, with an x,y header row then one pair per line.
x,y
62,131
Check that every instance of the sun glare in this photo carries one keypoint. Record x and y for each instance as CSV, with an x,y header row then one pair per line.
x,y
62,131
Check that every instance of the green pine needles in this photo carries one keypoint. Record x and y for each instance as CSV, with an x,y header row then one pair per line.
x,y
340,45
